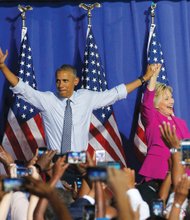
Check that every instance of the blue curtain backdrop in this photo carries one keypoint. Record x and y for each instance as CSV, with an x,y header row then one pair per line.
x,y
57,34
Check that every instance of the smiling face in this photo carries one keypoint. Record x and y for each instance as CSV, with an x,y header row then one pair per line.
x,y
66,82
164,101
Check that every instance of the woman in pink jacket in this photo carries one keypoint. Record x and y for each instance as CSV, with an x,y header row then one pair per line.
x,y
157,107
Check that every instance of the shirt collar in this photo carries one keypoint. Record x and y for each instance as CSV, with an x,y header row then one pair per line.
x,y
72,98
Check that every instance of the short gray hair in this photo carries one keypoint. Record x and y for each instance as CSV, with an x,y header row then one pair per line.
x,y
67,67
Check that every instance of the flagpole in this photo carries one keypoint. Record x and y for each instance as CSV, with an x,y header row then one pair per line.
x,y
152,12
23,10
89,8
152,26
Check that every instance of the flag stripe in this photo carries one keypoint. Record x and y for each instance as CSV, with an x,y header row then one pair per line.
x,y
140,134
104,135
39,123
30,138
19,134
104,142
95,142
8,146
14,142
142,146
100,138
114,135
91,151
36,127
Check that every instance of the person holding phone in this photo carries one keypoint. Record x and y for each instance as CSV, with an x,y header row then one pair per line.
x,y
157,108
83,102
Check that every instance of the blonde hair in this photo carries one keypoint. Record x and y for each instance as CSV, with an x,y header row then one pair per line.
x,y
159,91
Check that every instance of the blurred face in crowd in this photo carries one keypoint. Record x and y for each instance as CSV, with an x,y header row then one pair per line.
x,y
165,102
66,82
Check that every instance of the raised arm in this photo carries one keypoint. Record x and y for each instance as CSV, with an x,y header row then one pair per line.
x,y
11,77
169,136
150,71
153,79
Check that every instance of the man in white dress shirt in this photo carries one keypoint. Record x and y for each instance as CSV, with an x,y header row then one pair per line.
x,y
83,102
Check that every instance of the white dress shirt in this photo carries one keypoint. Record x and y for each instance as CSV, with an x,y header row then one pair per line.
x,y
52,108
137,201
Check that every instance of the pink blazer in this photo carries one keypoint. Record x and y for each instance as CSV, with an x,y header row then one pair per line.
x,y
155,165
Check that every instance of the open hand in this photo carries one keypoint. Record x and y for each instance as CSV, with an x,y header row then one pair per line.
x,y
152,70
3,57
5,157
169,135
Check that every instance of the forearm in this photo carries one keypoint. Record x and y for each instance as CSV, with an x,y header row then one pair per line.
x,y
11,77
4,205
148,111
177,169
123,206
165,188
40,209
43,203
100,200
175,212
151,69
133,85
53,181
32,205
152,83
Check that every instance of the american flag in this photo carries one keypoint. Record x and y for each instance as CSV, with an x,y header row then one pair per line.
x,y
104,134
154,55
24,130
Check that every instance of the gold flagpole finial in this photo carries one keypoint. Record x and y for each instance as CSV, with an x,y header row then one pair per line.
x,y
89,8
23,10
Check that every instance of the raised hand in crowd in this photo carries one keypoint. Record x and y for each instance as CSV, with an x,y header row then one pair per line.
x,y
120,182
178,177
34,159
5,158
44,162
43,190
58,170
172,141
181,192
86,186
169,135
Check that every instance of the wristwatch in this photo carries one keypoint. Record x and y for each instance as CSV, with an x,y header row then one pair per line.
x,y
142,80
177,205
173,150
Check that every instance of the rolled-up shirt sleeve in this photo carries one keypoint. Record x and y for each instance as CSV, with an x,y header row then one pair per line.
x,y
137,201
122,91
109,97
30,95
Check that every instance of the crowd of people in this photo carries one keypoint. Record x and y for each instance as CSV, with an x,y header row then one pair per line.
x,y
51,187
45,193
